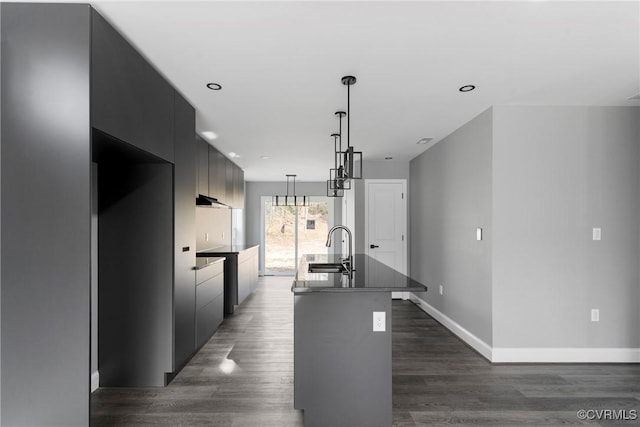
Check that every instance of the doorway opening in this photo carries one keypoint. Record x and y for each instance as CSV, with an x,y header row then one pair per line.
x,y
288,232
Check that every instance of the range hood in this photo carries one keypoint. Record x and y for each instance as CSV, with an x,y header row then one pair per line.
x,y
203,200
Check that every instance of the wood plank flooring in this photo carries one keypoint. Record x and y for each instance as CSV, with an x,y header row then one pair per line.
x,y
244,377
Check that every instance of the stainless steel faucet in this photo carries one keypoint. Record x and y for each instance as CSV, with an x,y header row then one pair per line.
x,y
349,260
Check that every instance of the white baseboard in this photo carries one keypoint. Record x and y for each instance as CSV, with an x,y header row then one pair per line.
x,y
95,381
531,355
476,343
566,355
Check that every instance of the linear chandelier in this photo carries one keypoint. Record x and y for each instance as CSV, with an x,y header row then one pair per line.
x,y
345,162
290,200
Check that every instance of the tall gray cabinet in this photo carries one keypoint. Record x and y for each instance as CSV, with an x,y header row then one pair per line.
x,y
74,91
45,214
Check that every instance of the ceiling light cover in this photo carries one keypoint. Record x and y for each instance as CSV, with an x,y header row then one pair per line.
x,y
424,140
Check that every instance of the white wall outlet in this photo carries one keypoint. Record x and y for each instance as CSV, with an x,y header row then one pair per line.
x,y
441,290
379,321
206,237
595,314
478,233
223,235
597,234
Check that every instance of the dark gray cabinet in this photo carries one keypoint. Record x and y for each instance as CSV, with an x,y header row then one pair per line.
x,y
217,175
228,182
202,162
45,147
130,100
238,188
184,231
209,301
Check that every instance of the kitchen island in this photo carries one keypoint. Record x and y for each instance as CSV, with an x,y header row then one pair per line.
x,y
342,340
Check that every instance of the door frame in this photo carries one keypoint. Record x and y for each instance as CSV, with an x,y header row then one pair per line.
x,y
367,186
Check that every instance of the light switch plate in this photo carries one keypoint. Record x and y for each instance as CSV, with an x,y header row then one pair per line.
x,y
478,233
597,234
595,315
379,321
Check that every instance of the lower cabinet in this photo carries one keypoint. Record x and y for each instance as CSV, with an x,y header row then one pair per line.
x,y
209,301
247,273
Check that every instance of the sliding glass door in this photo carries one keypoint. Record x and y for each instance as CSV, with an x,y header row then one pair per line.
x,y
289,232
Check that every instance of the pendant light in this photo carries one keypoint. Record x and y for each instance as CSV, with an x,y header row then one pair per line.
x,y
290,200
337,182
350,156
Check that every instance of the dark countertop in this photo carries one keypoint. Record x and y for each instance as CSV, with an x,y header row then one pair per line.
x,y
369,275
202,262
224,250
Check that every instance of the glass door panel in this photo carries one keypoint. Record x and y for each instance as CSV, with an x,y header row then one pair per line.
x,y
279,239
313,226
292,231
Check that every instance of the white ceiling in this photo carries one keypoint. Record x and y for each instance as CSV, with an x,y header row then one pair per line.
x,y
280,65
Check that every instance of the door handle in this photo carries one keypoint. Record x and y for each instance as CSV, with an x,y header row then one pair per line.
x,y
373,246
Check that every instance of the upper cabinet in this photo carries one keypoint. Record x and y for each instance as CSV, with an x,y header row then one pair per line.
x,y
202,163
238,188
219,177
130,100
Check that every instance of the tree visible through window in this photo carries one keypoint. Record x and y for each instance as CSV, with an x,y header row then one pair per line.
x,y
282,235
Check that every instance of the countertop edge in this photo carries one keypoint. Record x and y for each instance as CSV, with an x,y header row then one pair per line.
x,y
222,251
214,260
324,290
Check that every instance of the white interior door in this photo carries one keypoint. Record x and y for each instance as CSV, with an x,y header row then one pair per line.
x,y
386,224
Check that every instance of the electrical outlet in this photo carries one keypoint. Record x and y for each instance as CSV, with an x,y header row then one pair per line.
x,y
595,314
379,321
223,235
206,237
441,290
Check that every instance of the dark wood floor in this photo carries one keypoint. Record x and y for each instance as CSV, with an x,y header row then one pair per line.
x,y
244,377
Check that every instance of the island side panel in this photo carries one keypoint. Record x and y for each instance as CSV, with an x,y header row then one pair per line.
x,y
342,368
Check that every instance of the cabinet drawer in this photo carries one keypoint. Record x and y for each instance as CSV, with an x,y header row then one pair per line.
x,y
208,319
209,290
208,272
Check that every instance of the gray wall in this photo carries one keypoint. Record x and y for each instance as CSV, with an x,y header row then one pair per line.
x,y
450,197
376,169
537,180
45,214
255,190
559,172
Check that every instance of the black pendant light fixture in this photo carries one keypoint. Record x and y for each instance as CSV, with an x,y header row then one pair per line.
x,y
345,161
290,199
350,156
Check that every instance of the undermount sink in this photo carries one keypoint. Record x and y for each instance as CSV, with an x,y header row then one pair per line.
x,y
327,267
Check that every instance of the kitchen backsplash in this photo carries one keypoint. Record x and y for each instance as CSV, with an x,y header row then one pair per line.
x,y
213,227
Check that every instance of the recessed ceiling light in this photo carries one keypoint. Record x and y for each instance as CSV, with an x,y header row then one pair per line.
x,y
264,157
209,135
424,140
214,86
233,155
388,158
467,88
